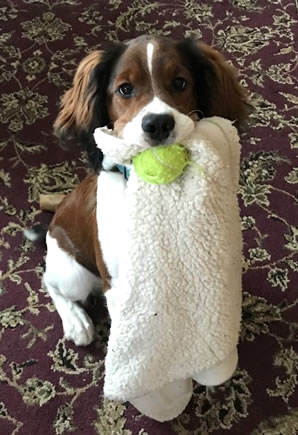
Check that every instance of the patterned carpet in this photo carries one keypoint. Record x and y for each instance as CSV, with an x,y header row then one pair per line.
x,y
47,385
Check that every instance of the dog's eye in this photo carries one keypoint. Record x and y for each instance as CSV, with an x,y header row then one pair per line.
x,y
126,90
179,84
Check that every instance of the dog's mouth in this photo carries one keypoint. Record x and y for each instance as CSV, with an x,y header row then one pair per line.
x,y
159,142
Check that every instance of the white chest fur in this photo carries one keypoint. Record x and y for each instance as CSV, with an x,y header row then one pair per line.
x,y
111,188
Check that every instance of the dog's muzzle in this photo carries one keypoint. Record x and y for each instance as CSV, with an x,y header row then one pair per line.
x,y
157,127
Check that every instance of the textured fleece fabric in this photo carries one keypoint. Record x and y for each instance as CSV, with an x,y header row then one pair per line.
x,y
175,304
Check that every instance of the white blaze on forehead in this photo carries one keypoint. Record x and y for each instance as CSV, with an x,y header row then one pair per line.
x,y
150,49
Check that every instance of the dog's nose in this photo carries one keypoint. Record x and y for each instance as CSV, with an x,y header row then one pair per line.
x,y
158,127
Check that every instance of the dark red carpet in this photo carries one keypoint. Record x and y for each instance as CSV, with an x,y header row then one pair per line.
x,y
47,385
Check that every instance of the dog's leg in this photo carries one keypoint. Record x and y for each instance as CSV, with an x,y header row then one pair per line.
x,y
67,283
77,325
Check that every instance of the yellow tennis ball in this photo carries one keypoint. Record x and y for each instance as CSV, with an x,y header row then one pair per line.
x,y
161,164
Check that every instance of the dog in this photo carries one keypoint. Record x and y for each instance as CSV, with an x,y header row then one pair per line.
x,y
146,90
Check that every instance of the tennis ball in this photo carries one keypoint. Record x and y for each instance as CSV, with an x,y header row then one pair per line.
x,y
161,164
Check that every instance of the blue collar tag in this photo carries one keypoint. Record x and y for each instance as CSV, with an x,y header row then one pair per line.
x,y
124,170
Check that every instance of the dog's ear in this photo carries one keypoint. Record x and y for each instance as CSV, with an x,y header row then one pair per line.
x,y
229,98
77,105
217,87
84,105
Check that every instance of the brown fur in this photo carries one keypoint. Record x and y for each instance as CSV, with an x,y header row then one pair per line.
x,y
77,105
133,68
75,229
230,100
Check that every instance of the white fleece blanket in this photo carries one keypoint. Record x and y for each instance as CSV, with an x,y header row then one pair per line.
x,y
175,304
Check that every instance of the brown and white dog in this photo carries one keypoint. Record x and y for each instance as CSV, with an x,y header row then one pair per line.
x,y
147,90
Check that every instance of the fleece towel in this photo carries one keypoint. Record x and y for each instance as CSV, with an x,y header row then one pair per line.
x,y
175,302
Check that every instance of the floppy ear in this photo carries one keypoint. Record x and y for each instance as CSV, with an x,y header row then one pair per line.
x,y
228,98
218,91
84,105
77,104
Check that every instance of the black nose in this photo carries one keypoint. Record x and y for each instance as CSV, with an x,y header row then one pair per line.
x,y
158,127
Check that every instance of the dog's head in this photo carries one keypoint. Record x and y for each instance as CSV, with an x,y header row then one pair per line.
x,y
148,90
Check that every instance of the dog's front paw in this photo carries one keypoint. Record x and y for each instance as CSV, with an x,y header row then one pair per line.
x,y
78,327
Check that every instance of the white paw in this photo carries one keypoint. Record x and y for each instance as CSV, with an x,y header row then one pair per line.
x,y
78,326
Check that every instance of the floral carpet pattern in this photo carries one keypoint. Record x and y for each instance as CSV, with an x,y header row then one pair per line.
x,y
48,385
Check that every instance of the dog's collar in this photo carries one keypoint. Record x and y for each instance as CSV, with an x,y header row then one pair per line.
x,y
124,170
